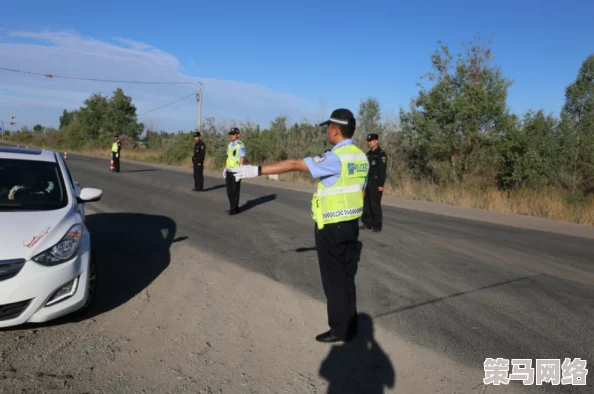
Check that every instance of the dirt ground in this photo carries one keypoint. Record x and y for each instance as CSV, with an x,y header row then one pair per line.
x,y
209,326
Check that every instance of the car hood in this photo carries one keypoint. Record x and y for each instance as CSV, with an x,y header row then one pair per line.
x,y
25,234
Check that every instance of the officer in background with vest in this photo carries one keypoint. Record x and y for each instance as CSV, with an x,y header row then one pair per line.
x,y
378,164
198,161
116,147
336,208
235,157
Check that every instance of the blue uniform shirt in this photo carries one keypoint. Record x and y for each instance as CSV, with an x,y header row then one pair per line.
x,y
241,150
327,166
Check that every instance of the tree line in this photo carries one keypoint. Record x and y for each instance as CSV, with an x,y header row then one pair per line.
x,y
458,130
461,129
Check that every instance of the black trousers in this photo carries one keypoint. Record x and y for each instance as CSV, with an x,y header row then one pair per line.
x,y
233,188
372,207
198,176
339,250
116,161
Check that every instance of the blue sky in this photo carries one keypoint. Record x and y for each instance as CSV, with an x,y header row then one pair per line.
x,y
261,59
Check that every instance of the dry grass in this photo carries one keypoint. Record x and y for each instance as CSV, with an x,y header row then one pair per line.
x,y
209,163
131,154
549,203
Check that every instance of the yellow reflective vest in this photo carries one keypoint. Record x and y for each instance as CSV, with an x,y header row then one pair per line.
x,y
114,147
342,201
233,155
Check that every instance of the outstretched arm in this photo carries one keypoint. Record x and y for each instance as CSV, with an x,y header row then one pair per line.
x,y
323,165
284,167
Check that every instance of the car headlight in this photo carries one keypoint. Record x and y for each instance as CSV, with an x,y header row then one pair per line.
x,y
63,250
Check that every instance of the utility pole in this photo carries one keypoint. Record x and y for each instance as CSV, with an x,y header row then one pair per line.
x,y
2,129
199,99
13,123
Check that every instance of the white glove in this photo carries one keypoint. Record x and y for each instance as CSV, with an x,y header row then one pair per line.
x,y
247,171
117,155
225,173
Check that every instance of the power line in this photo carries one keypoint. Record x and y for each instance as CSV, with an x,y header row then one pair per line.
x,y
163,106
117,81
95,79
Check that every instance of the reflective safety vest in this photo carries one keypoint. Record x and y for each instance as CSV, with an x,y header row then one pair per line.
x,y
342,201
233,155
114,147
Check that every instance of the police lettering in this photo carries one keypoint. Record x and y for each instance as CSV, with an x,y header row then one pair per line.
x,y
353,167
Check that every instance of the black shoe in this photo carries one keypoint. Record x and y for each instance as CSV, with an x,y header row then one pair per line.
x,y
365,227
376,230
329,337
196,190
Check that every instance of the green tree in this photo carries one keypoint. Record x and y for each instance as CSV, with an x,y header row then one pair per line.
x,y
121,116
102,116
93,116
577,129
139,130
369,119
65,119
447,122
76,135
38,128
529,150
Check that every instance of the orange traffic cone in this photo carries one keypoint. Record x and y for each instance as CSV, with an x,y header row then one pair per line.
x,y
65,155
111,166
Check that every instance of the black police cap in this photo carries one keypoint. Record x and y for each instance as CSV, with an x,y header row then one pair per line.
x,y
342,117
371,137
197,134
233,131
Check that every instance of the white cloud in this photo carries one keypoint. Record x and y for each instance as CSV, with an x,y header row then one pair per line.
x,y
37,99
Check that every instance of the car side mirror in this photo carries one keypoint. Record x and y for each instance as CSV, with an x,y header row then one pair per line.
x,y
89,195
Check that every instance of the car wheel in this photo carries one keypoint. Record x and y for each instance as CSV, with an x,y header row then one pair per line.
x,y
92,281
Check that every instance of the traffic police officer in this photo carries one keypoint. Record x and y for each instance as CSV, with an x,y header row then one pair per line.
x,y
198,160
235,158
378,163
336,208
116,147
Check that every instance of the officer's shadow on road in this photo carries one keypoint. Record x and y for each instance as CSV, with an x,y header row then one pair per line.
x,y
257,201
209,189
131,251
360,365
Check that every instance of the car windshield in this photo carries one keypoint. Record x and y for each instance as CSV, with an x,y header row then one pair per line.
x,y
31,185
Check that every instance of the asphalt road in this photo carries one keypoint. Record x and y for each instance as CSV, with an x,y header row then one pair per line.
x,y
466,289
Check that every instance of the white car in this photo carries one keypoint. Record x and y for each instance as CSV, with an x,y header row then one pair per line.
x,y
46,269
